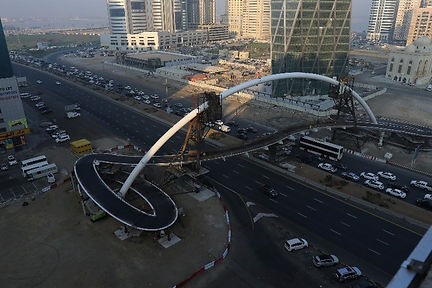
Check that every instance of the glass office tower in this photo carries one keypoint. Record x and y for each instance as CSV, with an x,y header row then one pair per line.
x,y
309,36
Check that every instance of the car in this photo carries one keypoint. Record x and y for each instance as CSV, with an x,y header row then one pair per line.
x,y
62,138
350,176
39,82
155,96
324,260
424,203
421,184
46,110
365,283
387,175
11,160
58,82
269,191
4,166
147,102
295,244
374,184
428,196
396,192
157,105
397,186
242,136
73,114
39,104
340,166
327,167
369,176
50,178
219,122
251,129
347,272
51,128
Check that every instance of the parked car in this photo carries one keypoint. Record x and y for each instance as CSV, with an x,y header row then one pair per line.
x,y
51,128
324,260
58,82
350,176
424,203
62,138
374,184
428,196
387,175
251,129
46,110
397,186
347,272
396,192
269,191
364,283
38,81
4,166
295,244
369,176
421,184
327,167
11,160
70,115
219,122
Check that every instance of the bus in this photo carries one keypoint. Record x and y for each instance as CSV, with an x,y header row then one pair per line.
x,y
41,171
33,163
316,146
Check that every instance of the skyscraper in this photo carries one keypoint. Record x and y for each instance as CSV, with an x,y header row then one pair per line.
x,y
13,123
256,19
309,36
162,12
127,16
207,13
381,20
235,16
403,18
421,24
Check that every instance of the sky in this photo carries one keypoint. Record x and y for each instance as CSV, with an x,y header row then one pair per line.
x,y
97,8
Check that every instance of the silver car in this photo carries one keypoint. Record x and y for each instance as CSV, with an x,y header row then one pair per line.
x,y
324,260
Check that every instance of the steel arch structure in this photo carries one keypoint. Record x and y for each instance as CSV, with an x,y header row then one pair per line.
x,y
186,119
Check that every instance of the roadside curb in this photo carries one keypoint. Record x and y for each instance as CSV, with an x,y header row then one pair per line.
x,y
218,260
409,168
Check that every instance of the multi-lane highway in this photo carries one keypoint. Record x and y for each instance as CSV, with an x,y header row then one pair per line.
x,y
375,244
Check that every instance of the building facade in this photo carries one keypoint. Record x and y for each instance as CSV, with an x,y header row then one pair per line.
x,y
162,15
309,36
412,64
235,16
127,16
256,19
215,32
13,123
381,20
207,13
403,18
136,16
421,24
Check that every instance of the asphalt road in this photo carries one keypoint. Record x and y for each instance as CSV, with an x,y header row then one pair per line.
x,y
378,245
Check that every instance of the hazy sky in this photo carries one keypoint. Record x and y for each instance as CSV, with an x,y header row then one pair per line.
x,y
97,8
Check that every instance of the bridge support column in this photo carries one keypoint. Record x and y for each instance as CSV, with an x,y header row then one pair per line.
x,y
380,142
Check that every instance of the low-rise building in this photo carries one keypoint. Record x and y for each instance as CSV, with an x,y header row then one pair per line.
x,y
412,64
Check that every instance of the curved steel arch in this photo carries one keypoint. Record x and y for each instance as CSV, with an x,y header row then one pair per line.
x,y
186,119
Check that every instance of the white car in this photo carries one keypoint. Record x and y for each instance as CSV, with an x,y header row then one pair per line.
x,y
387,175
327,167
157,105
219,122
428,196
39,82
295,244
369,176
421,184
12,160
51,128
58,82
72,115
374,184
396,192
62,138
155,96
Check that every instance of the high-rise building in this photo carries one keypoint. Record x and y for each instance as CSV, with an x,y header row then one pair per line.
x,y
127,16
381,20
207,12
421,24
13,123
180,15
235,16
403,18
309,36
256,19
162,15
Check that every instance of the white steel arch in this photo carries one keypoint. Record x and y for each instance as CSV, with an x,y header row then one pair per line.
x,y
186,119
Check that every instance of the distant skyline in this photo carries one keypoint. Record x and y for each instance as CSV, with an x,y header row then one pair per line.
x,y
79,9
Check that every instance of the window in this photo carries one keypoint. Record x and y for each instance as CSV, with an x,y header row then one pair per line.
x,y
400,69
409,70
391,67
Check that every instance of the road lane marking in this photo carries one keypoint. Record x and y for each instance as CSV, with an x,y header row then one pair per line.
x,y
379,254
335,232
311,208
259,183
383,242
273,200
289,187
266,177
249,203
317,200
261,215
283,194
304,216
235,171
345,224
249,188
240,165
355,217
224,175
388,232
